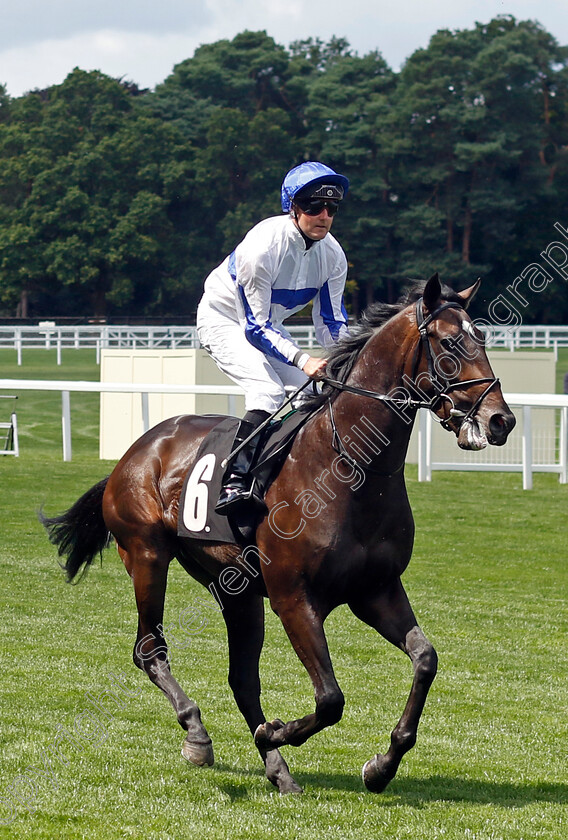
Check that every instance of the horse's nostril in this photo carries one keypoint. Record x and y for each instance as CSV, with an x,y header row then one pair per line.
x,y
500,425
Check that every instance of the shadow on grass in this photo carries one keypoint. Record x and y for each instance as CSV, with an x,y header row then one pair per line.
x,y
411,791
249,783
446,788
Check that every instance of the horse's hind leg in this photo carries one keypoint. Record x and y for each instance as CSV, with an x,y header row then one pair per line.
x,y
391,614
148,567
244,618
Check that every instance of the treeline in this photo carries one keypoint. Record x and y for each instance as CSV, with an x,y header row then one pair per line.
x,y
117,201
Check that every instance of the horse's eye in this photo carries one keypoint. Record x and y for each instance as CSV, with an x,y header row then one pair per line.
x,y
447,343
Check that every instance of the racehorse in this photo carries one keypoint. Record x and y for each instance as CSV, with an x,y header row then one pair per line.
x,y
338,530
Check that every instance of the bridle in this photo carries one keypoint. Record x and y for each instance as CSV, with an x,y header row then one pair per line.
x,y
441,382
443,386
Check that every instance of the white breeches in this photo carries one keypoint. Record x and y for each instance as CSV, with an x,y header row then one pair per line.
x,y
262,378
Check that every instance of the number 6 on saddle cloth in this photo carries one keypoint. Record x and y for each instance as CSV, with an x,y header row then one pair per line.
x,y
202,486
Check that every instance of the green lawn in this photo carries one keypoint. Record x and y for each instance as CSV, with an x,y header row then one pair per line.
x,y
39,412
488,581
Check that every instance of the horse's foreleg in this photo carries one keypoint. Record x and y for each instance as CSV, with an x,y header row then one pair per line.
x,y
304,627
149,569
244,618
391,614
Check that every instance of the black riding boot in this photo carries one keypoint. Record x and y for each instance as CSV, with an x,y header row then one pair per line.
x,y
240,487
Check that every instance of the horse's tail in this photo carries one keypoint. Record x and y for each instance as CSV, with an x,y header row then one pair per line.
x,y
80,533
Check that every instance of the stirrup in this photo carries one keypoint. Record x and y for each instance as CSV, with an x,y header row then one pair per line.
x,y
235,497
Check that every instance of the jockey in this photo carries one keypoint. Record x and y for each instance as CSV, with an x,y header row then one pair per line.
x,y
281,264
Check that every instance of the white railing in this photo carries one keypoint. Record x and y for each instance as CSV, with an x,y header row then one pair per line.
x,y
526,337
51,336
59,338
557,462
426,465
66,387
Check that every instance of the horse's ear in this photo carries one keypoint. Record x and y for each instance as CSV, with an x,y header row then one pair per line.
x,y
468,294
432,292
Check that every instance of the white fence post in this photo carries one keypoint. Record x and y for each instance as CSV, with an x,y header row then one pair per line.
x,y
424,445
66,425
145,412
15,439
527,448
563,445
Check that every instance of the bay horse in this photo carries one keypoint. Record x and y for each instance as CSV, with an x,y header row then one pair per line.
x,y
339,528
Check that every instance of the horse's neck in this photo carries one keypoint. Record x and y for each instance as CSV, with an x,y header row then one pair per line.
x,y
387,355
379,429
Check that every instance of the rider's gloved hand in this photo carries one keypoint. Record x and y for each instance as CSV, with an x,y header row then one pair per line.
x,y
314,367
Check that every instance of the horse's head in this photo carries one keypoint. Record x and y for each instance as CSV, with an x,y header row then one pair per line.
x,y
451,365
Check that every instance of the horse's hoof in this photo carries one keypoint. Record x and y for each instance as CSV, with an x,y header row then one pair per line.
x,y
278,772
200,754
264,734
375,777
290,786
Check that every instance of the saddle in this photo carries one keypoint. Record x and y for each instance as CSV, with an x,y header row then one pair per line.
x,y
197,518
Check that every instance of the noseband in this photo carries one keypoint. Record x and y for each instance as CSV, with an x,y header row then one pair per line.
x,y
442,384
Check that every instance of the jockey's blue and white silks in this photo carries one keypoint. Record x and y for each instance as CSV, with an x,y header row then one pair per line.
x,y
269,276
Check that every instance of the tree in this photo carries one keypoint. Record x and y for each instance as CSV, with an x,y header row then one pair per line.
x,y
22,266
347,115
245,75
118,200
471,109
233,104
85,173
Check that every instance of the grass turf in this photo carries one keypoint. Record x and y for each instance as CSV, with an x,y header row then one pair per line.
x,y
488,582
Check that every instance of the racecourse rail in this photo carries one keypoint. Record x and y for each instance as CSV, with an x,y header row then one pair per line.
x,y
425,463
50,335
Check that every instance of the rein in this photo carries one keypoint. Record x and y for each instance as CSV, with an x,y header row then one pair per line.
x,y
442,383
403,402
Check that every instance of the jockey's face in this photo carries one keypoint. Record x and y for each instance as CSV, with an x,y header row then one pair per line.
x,y
314,227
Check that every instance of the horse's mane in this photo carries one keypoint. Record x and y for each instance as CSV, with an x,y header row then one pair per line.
x,y
344,353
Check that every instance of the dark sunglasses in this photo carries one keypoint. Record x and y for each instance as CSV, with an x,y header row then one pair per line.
x,y
315,207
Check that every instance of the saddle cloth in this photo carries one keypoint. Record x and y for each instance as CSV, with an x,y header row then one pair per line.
x,y
197,518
